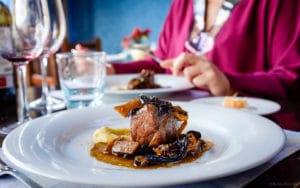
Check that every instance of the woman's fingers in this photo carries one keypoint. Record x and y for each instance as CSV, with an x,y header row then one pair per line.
x,y
200,81
167,64
204,74
200,72
191,71
178,64
214,80
198,68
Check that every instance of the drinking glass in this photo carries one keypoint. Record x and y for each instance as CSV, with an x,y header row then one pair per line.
x,y
29,31
82,78
46,103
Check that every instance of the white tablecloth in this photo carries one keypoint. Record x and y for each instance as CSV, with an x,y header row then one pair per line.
x,y
292,145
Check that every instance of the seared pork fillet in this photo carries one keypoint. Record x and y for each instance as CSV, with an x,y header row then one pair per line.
x,y
153,121
151,130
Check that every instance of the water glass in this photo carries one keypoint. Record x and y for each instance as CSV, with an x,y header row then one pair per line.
x,y
82,78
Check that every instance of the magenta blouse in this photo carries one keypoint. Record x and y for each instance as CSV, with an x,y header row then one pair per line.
x,y
258,47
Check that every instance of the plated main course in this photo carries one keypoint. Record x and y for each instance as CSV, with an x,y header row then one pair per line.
x,y
156,137
144,80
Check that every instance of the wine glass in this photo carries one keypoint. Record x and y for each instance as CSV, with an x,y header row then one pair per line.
x,y
29,31
46,103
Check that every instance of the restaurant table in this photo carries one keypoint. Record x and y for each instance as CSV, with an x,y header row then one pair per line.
x,y
282,171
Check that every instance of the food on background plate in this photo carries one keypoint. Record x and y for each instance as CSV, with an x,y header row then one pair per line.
x,y
145,80
234,102
156,136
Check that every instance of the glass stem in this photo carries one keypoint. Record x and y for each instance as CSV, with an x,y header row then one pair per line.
x,y
44,64
23,110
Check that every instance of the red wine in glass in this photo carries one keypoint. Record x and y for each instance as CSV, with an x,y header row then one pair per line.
x,y
27,34
16,59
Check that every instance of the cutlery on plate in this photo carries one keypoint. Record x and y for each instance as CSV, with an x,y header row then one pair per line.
x,y
5,169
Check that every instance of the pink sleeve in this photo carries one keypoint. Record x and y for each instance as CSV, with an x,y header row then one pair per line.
x,y
137,66
259,48
276,83
171,40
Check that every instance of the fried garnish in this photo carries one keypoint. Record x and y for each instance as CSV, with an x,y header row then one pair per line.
x,y
180,115
125,109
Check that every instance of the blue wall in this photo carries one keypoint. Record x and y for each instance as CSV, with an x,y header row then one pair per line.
x,y
111,20
6,2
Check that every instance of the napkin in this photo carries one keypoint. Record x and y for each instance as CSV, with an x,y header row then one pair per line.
x,y
239,180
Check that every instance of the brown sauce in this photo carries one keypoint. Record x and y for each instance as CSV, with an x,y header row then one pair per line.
x,y
98,149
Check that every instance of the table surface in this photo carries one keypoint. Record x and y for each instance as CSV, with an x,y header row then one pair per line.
x,y
286,173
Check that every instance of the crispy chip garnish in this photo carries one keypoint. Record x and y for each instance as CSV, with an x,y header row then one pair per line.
x,y
180,115
125,109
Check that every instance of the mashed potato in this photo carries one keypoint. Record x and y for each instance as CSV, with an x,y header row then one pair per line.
x,y
106,134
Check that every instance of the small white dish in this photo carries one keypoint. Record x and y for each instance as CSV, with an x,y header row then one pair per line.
x,y
254,105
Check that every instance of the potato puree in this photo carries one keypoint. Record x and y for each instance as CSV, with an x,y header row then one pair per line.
x,y
106,134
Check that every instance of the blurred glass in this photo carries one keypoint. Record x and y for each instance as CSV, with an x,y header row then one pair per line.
x,y
28,32
47,104
82,78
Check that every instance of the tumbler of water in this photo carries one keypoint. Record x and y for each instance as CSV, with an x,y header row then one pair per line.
x,y
82,78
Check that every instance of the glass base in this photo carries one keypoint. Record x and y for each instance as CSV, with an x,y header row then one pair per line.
x,y
82,104
51,105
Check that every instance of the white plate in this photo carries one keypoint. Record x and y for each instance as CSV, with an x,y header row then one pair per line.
x,y
169,84
254,105
57,146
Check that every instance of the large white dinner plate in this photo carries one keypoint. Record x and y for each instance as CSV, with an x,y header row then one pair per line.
x,y
254,105
169,84
57,146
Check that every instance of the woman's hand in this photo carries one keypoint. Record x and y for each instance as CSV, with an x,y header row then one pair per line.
x,y
200,72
